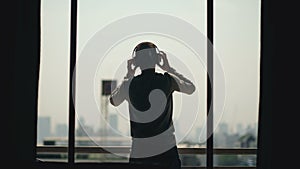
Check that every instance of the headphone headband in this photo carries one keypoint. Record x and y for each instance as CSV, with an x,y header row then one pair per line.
x,y
144,45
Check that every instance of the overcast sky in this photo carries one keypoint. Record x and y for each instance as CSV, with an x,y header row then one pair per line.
x,y
236,43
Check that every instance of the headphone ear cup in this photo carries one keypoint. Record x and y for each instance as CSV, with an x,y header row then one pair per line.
x,y
134,61
158,59
134,56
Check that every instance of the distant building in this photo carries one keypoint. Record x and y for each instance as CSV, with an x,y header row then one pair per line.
x,y
43,129
220,139
113,121
247,140
240,129
84,130
61,130
223,128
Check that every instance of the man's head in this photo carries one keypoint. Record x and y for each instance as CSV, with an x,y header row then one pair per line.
x,y
145,55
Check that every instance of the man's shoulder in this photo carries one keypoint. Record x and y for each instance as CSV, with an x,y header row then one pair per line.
x,y
163,75
168,75
157,75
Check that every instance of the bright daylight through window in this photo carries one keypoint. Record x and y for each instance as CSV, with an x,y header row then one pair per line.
x,y
107,32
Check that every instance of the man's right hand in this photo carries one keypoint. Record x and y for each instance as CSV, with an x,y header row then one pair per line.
x,y
165,65
130,70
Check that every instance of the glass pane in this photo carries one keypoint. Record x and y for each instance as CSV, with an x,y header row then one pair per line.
x,y
54,78
97,157
237,44
235,160
108,31
188,160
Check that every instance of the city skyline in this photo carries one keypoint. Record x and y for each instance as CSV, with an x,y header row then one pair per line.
x,y
61,131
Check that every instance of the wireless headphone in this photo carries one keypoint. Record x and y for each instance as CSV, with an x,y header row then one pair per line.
x,y
144,45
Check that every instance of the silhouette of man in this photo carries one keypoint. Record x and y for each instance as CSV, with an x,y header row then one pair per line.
x,y
151,106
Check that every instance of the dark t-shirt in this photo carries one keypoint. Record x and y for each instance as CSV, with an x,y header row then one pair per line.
x,y
149,96
139,90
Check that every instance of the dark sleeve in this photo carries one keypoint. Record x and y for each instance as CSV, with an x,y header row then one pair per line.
x,y
171,81
180,83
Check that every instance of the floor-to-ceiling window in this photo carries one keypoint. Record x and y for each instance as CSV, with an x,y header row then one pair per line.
x,y
107,32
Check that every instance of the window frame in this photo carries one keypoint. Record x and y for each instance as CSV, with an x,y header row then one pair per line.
x,y
209,150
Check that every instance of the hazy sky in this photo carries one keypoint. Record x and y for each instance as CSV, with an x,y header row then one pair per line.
x,y
236,43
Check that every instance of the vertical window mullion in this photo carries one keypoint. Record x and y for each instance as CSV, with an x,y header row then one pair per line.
x,y
210,82
72,82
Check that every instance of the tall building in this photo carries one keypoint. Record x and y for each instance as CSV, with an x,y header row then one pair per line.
x,y
223,128
43,129
61,130
240,129
113,121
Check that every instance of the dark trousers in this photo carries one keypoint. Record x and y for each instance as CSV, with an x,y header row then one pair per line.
x,y
167,160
